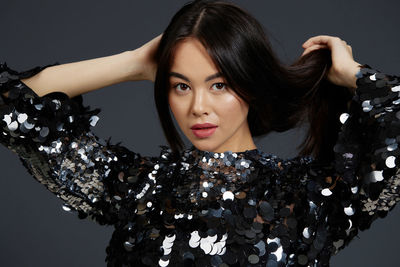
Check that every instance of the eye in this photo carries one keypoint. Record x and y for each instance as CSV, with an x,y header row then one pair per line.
x,y
219,86
181,87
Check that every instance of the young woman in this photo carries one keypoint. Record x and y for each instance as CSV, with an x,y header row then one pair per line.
x,y
221,202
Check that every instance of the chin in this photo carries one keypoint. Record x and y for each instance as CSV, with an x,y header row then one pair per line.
x,y
206,147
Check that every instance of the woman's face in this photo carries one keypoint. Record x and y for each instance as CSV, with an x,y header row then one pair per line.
x,y
199,94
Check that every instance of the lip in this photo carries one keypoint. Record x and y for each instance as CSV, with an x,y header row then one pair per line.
x,y
202,125
203,130
203,133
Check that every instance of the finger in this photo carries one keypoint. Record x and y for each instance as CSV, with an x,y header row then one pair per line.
x,y
350,49
312,48
317,39
320,39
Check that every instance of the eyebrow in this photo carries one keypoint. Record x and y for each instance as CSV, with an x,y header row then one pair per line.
x,y
216,75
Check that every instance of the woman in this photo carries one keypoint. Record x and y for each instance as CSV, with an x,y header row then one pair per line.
x,y
197,207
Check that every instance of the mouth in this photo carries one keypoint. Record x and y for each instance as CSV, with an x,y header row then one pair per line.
x,y
204,132
202,128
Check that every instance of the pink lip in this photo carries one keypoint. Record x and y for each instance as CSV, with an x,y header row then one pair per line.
x,y
202,125
205,132
202,130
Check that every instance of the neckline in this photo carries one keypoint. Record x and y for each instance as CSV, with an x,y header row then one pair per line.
x,y
195,154
202,153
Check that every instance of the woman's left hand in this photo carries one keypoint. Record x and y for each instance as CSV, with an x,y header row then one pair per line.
x,y
344,68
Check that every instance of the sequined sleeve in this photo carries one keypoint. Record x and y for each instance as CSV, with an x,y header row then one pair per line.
x,y
53,139
366,152
363,182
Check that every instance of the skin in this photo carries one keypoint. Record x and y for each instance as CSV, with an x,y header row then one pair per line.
x,y
195,99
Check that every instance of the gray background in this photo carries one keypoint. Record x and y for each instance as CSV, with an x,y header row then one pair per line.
x,y
35,231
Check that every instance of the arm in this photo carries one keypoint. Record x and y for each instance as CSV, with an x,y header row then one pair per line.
x,y
363,183
52,137
51,134
331,202
366,152
367,148
84,76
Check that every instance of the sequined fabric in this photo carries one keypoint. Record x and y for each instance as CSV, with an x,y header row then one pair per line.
x,y
246,208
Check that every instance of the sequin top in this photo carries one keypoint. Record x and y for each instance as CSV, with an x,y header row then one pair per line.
x,y
246,208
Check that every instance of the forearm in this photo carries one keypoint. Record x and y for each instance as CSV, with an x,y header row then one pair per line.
x,y
88,75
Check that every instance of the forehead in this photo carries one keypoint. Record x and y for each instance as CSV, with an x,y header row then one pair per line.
x,y
190,56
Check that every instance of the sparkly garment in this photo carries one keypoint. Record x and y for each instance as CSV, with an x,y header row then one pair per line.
x,y
211,209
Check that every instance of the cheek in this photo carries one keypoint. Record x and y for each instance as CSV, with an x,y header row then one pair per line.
x,y
177,108
233,109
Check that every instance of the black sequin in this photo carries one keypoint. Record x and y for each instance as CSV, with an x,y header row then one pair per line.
x,y
246,208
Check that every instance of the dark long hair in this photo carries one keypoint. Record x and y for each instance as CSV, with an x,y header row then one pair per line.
x,y
280,97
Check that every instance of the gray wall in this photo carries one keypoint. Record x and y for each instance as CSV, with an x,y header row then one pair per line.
x,y
35,231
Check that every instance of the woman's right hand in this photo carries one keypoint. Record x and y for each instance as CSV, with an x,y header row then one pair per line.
x,y
146,54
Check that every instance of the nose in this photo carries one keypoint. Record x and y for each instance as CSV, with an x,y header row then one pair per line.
x,y
199,103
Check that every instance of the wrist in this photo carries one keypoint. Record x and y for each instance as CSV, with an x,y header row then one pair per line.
x,y
132,66
351,75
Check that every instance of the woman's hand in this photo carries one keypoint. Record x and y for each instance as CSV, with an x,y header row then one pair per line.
x,y
344,68
144,60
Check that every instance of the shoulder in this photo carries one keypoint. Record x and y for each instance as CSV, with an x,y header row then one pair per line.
x,y
285,165
302,170
165,153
